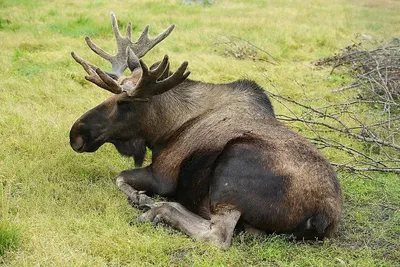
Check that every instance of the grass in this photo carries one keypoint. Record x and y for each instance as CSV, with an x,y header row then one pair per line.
x,y
59,208
9,238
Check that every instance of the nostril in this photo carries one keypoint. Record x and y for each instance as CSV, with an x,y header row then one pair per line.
x,y
77,144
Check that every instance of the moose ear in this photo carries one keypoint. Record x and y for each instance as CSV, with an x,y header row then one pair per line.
x,y
166,72
130,82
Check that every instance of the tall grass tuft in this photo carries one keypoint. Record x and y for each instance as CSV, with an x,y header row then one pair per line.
x,y
9,237
9,233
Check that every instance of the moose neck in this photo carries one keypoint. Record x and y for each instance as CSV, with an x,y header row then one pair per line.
x,y
169,111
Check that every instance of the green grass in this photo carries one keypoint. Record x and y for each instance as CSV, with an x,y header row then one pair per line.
x,y
59,208
9,238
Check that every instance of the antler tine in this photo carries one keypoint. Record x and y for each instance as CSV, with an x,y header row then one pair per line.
x,y
148,84
129,31
144,44
160,69
97,49
165,73
176,78
133,60
144,36
88,67
164,34
97,76
113,86
115,28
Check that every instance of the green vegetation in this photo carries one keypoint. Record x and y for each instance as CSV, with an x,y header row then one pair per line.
x,y
60,208
9,238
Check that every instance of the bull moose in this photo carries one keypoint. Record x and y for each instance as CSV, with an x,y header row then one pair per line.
x,y
218,152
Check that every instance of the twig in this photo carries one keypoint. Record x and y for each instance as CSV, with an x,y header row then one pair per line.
x,y
240,48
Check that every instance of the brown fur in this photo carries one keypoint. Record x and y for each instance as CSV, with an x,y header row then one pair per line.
x,y
312,179
203,118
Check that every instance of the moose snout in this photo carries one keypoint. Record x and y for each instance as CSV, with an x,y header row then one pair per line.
x,y
76,139
77,143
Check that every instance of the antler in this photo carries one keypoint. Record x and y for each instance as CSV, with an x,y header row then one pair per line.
x,y
149,83
139,48
97,76
119,62
143,82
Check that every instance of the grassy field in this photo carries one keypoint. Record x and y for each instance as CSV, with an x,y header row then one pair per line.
x,y
60,208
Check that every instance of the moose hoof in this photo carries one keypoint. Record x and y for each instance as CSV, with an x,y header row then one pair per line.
x,y
141,219
157,220
145,200
132,202
145,218
153,214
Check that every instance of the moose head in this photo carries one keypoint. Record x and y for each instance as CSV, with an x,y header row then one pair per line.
x,y
117,120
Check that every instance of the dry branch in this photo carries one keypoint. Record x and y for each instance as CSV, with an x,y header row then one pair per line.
x,y
365,143
374,66
364,129
241,49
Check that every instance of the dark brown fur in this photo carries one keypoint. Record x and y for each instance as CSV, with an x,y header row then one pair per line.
x,y
217,146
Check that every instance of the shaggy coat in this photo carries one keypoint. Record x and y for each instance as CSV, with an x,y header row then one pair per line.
x,y
219,147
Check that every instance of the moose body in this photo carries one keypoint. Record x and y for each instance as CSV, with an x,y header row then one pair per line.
x,y
218,153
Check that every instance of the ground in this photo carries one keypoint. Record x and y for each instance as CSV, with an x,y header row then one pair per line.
x,y
60,208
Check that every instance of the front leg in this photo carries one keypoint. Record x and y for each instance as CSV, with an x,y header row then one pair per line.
x,y
134,181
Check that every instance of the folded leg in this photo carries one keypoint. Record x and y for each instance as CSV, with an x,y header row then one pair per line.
x,y
131,181
218,230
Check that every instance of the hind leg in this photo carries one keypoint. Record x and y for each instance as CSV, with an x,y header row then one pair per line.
x,y
218,230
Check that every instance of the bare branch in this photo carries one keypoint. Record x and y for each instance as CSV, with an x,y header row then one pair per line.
x,y
376,71
366,143
240,48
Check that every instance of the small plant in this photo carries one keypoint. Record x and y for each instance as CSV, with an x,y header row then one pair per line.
x,y
9,237
4,23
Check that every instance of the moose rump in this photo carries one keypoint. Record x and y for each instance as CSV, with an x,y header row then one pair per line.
x,y
218,152
269,198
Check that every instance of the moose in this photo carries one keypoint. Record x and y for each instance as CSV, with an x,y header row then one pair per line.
x,y
219,155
